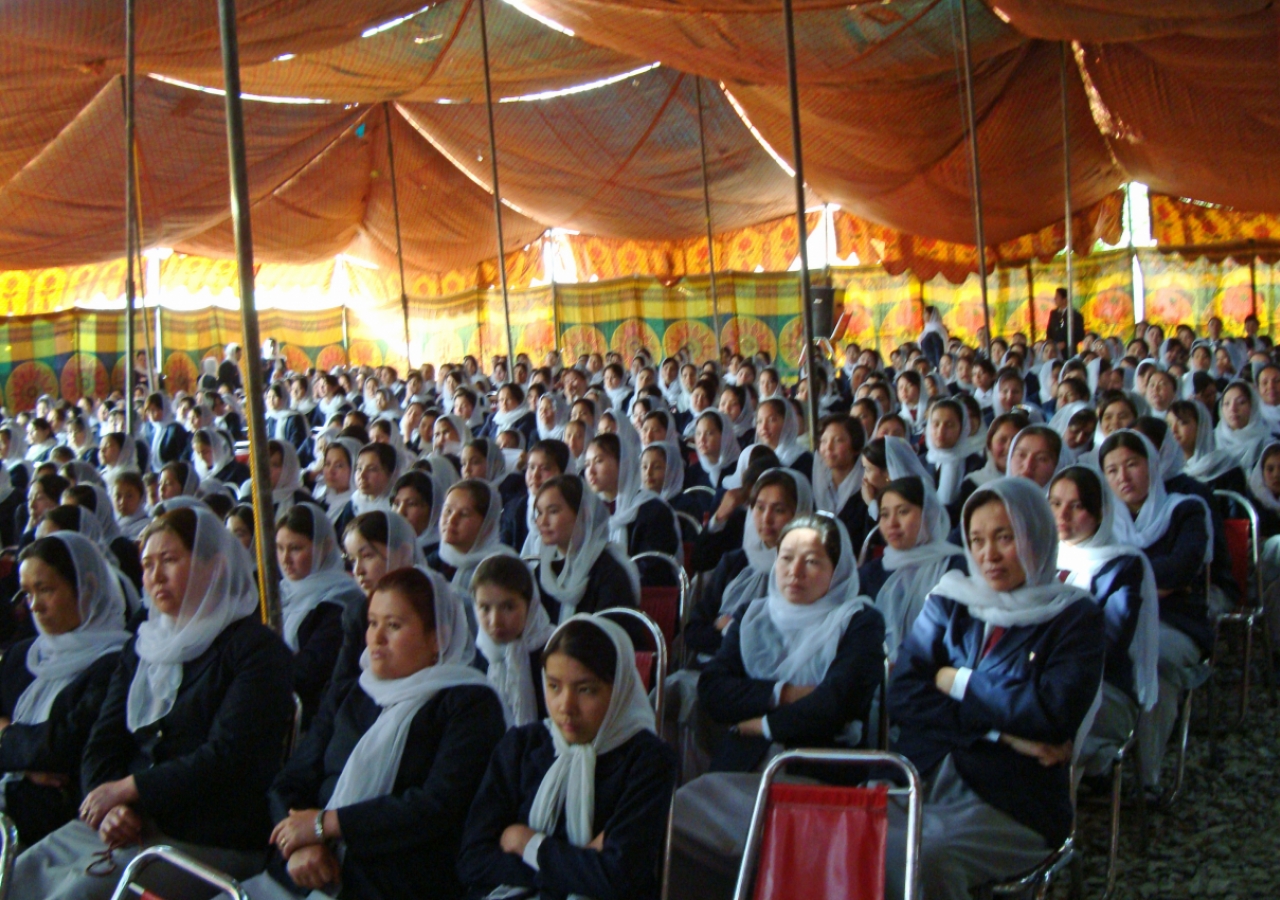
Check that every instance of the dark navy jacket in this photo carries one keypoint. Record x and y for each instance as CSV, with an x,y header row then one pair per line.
x,y
609,585
872,574
1118,588
1177,558
701,635
1038,682
513,526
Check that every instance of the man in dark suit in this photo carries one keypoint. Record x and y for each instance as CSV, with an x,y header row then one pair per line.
x,y
1057,330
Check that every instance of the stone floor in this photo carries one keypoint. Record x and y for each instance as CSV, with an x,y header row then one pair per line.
x,y
1220,839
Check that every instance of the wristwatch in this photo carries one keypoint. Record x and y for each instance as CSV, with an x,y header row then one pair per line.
x,y
320,826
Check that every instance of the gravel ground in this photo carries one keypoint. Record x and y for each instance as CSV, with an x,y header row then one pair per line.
x,y
1222,836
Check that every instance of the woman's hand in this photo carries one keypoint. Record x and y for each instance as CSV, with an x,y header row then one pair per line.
x,y
106,797
1049,755
751,728
120,827
4,723
732,499
515,838
295,831
48,779
723,622
314,867
945,679
793,692
597,843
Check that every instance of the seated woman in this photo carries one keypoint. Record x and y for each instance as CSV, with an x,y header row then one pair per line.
x,y
373,801
718,453
168,441
947,459
451,434
1000,435
240,523
990,689
575,805
917,553
778,428
178,479
13,455
743,574
377,467
723,531
736,404
189,736
468,532
122,552
1172,529
799,668
44,494
285,477
338,468
639,520
837,474
52,686
579,568
315,595
419,497
118,453
1121,581
215,457
482,460
288,425
662,473
514,628
545,459
1242,429
1192,427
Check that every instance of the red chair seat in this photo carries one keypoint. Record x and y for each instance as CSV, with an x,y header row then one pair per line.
x,y
646,661
823,842
1237,533
662,604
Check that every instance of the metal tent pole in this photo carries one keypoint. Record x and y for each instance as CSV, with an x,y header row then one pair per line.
x,y
806,300
263,509
706,213
975,168
395,207
130,214
497,194
1072,337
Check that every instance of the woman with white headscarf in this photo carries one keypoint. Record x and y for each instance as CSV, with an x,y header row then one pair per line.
x,y
799,667
947,457
451,434
419,496
482,459
118,453
837,474
468,532
1242,429
576,804
215,457
997,679
288,425
285,476
778,428
315,590
338,476
716,445
579,569
375,797
513,630
1192,427
167,440
202,668
52,685
552,416
13,441
1264,492
1121,581
1173,531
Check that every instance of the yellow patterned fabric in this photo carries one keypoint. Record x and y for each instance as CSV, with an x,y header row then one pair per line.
x,y
1198,229
1179,292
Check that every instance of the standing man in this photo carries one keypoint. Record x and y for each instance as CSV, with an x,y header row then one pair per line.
x,y
1057,330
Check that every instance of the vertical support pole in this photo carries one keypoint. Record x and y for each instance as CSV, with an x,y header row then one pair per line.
x,y
130,214
497,194
706,213
1253,282
255,389
975,169
346,336
1072,337
1031,302
806,299
395,207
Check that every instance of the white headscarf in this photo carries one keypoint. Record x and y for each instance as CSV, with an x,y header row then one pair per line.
x,y
290,481
223,453
326,582
1245,442
105,515
1083,560
569,786
796,643
1157,510
56,660
745,422
440,484
495,464
729,449
461,429
734,481
487,543
17,448
950,461
590,538
1258,483
789,448
509,669
914,572
1208,462
632,494
370,771
335,501
673,479
126,461
220,591
560,413
827,496
753,581
1042,597
362,503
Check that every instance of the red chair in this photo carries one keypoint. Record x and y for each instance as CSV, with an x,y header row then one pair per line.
x,y
168,858
651,662
1242,536
820,841
665,605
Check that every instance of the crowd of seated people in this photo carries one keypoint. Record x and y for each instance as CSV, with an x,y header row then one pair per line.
x,y
1026,536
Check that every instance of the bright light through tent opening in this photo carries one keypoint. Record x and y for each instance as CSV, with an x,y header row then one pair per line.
x,y
537,16
387,26
580,88
742,114
219,92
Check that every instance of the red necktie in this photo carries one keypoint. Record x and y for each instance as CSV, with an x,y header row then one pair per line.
x,y
997,632
1063,575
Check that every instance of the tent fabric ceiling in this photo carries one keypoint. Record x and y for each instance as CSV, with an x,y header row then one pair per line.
x,y
1183,94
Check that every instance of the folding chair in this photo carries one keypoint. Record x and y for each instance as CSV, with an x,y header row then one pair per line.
x,y
688,524
294,733
665,605
865,551
1242,543
652,664
8,853
128,888
838,834
1129,749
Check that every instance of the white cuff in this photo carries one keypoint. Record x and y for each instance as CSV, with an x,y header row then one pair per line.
x,y
961,683
777,694
530,855
993,736
764,728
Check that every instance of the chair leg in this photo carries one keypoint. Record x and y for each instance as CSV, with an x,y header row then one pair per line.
x,y
1144,833
1117,779
1180,771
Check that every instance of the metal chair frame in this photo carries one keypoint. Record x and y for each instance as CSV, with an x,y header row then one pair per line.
x,y
621,614
1250,612
164,853
689,519
1130,749
699,489
866,545
915,806
295,730
682,581
8,854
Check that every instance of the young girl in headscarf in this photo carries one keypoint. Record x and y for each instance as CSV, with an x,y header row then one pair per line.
x,y
993,684
576,804
778,428
513,630
468,532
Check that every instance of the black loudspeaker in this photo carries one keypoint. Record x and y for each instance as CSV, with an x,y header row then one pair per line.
x,y
824,303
